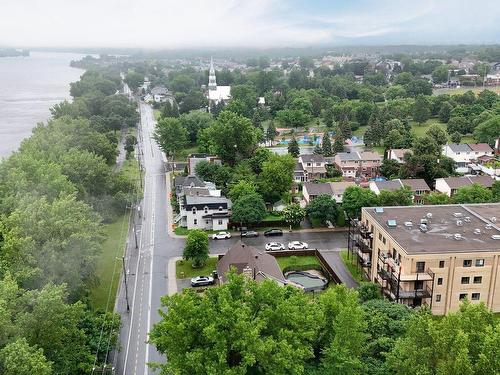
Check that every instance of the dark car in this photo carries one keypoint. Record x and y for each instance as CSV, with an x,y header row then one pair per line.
x,y
250,233
273,232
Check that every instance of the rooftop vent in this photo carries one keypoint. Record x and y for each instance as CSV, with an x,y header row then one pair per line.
x,y
379,210
493,219
460,223
477,231
488,226
424,228
457,236
458,214
429,215
424,221
495,237
392,223
467,219
408,224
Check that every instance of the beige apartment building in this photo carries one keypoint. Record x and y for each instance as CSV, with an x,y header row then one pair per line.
x,y
431,255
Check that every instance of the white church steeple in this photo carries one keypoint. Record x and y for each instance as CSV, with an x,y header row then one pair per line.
x,y
212,82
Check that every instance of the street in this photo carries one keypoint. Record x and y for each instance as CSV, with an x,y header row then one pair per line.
x,y
146,267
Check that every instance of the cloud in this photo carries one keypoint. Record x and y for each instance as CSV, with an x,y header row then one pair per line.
x,y
244,23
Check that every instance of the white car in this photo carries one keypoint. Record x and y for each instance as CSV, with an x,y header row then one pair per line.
x,y
202,281
297,245
221,236
275,246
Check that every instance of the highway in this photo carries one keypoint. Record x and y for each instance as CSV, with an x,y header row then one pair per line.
x,y
146,267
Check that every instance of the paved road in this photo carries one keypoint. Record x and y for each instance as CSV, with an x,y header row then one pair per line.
x,y
147,266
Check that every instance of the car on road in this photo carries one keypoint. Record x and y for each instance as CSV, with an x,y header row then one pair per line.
x,y
202,281
297,245
273,232
250,233
221,236
275,246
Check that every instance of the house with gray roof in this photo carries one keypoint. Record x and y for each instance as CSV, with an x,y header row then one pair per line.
x,y
309,167
464,154
365,164
205,212
450,185
418,187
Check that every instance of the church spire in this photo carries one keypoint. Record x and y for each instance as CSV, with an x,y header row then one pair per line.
x,y
212,82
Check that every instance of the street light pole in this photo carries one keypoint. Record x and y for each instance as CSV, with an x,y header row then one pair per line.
x,y
125,280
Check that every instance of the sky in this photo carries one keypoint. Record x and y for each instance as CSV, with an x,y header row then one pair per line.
x,y
160,24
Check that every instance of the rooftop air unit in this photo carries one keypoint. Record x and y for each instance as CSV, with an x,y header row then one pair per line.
x,y
457,214
424,228
408,224
477,231
467,219
457,236
495,237
460,223
429,215
488,226
493,219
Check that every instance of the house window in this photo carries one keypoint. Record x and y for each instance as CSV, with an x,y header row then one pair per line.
x,y
462,296
380,237
440,281
206,209
441,264
308,164
478,279
467,263
465,280
479,262
194,210
383,240
438,297
419,285
420,266
195,221
220,222
475,296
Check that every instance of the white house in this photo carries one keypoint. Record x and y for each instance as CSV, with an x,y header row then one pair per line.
x,y
309,167
450,185
463,154
205,212
160,94
397,154
333,189
216,94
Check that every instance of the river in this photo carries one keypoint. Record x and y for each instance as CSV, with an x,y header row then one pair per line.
x,y
29,86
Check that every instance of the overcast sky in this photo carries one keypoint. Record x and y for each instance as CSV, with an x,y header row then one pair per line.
x,y
245,23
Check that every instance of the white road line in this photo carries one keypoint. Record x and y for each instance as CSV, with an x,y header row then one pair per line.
x,y
152,239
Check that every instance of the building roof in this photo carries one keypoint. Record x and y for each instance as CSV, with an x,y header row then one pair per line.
x,y
220,93
444,221
459,147
159,90
318,189
193,200
370,155
190,180
400,152
346,156
458,182
241,256
338,188
415,184
390,185
482,147
312,158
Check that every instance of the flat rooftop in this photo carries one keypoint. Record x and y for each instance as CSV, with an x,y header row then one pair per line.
x,y
444,221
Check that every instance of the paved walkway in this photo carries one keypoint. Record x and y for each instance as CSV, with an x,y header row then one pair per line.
x,y
334,260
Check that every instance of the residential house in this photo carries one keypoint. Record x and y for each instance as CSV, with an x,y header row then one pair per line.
x,y
364,165
205,212
254,264
450,185
464,154
194,159
434,256
309,167
488,165
397,154
160,94
492,79
181,182
334,189
418,187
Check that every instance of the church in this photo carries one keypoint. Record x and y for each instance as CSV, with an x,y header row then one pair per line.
x,y
216,94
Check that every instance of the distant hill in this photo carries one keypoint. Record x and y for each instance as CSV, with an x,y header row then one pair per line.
x,y
11,52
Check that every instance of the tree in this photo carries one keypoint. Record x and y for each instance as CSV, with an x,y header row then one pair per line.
x,y
440,74
171,136
457,124
438,134
249,209
293,148
437,197
317,150
271,132
399,197
455,137
134,80
170,109
495,191
326,146
328,117
193,100
322,208
182,83
19,358
356,197
195,121
445,112
293,117
421,110
390,168
276,177
393,139
338,145
240,189
130,142
368,291
488,131
196,248
240,327
294,214
475,193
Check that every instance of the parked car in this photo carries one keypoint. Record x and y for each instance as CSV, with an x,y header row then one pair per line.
x,y
273,232
221,236
250,233
202,280
275,246
297,245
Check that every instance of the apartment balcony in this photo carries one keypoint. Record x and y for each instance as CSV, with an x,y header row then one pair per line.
x,y
394,294
364,262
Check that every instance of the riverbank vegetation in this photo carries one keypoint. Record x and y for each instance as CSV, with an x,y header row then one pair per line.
x,y
56,192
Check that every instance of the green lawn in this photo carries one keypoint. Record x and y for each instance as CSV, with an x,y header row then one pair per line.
x,y
360,131
108,267
420,130
297,261
273,217
156,113
351,266
380,150
184,269
462,90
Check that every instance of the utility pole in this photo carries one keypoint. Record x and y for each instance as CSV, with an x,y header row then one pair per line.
x,y
125,280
